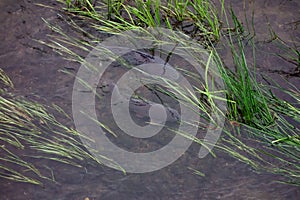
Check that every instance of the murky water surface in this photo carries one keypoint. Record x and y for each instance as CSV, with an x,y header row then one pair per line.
x,y
34,69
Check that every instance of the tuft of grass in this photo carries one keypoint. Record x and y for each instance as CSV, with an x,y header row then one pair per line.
x,y
197,18
247,101
252,106
5,82
28,128
268,140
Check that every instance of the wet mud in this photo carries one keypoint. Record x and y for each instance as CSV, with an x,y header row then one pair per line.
x,y
36,72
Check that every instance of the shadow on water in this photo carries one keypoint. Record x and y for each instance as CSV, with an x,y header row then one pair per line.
x,y
34,70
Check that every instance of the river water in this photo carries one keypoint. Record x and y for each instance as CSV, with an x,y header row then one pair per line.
x,y
34,69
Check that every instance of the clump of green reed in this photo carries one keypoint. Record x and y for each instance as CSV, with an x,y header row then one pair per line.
x,y
265,117
80,5
5,82
247,102
198,18
28,127
262,115
271,142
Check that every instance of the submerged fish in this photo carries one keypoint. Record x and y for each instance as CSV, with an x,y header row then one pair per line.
x,y
142,108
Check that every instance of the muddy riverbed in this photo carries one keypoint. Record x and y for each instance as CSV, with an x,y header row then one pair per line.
x,y
35,71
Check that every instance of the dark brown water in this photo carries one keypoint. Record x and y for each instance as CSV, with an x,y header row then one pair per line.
x,y
268,20
34,69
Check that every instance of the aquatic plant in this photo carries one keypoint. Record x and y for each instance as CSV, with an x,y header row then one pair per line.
x,y
252,107
198,18
28,131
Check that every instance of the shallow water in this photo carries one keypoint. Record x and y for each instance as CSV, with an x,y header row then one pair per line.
x,y
270,18
34,69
